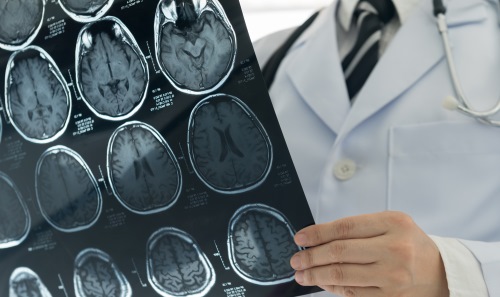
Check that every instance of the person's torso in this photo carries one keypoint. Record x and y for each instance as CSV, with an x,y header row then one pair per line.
x,y
396,147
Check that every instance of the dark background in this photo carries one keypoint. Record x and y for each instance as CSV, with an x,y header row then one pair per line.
x,y
51,253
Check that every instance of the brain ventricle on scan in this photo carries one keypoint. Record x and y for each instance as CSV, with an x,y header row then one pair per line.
x,y
228,147
143,171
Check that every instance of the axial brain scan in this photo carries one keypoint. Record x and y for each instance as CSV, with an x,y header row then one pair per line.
x,y
20,21
66,190
112,73
86,10
228,147
261,245
143,171
24,282
38,100
96,275
14,215
176,265
195,44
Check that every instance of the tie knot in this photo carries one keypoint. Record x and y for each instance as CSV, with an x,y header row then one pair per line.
x,y
384,9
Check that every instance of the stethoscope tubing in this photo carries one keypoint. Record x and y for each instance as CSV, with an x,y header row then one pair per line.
x,y
463,104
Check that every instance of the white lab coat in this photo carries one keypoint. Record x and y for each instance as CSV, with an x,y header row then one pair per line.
x,y
410,154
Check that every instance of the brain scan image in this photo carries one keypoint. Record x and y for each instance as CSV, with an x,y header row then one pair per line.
x,y
37,97
66,190
111,71
86,10
24,282
15,219
195,44
228,147
176,265
142,169
20,21
260,244
96,275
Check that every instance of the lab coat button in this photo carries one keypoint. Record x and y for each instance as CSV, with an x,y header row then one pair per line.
x,y
345,169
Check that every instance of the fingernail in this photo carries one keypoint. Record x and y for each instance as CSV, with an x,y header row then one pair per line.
x,y
301,239
296,262
299,277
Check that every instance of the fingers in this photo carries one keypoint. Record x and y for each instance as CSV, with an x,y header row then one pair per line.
x,y
384,254
353,251
344,275
364,226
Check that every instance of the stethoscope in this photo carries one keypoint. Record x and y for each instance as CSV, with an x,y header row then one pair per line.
x,y
459,102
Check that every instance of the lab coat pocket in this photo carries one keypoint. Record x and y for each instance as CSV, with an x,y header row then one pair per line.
x,y
447,177
461,12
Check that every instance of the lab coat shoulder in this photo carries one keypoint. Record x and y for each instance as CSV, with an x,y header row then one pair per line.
x,y
266,46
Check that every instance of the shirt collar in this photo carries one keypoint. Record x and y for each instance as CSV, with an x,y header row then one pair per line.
x,y
346,8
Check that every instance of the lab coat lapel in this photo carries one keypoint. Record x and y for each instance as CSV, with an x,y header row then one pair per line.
x,y
414,51
315,72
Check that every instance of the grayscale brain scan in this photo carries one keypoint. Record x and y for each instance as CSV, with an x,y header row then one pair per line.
x,y
195,44
260,244
37,97
111,71
66,190
176,265
96,275
142,169
20,21
228,147
24,282
15,218
86,10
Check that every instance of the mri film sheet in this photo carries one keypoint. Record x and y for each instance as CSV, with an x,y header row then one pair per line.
x,y
96,275
177,266
67,192
195,44
20,22
140,154
142,169
14,215
86,10
112,74
258,238
38,100
25,282
228,147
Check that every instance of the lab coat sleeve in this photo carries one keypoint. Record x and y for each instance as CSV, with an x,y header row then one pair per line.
x,y
463,270
488,255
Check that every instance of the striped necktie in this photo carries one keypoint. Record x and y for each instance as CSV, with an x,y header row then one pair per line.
x,y
370,16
